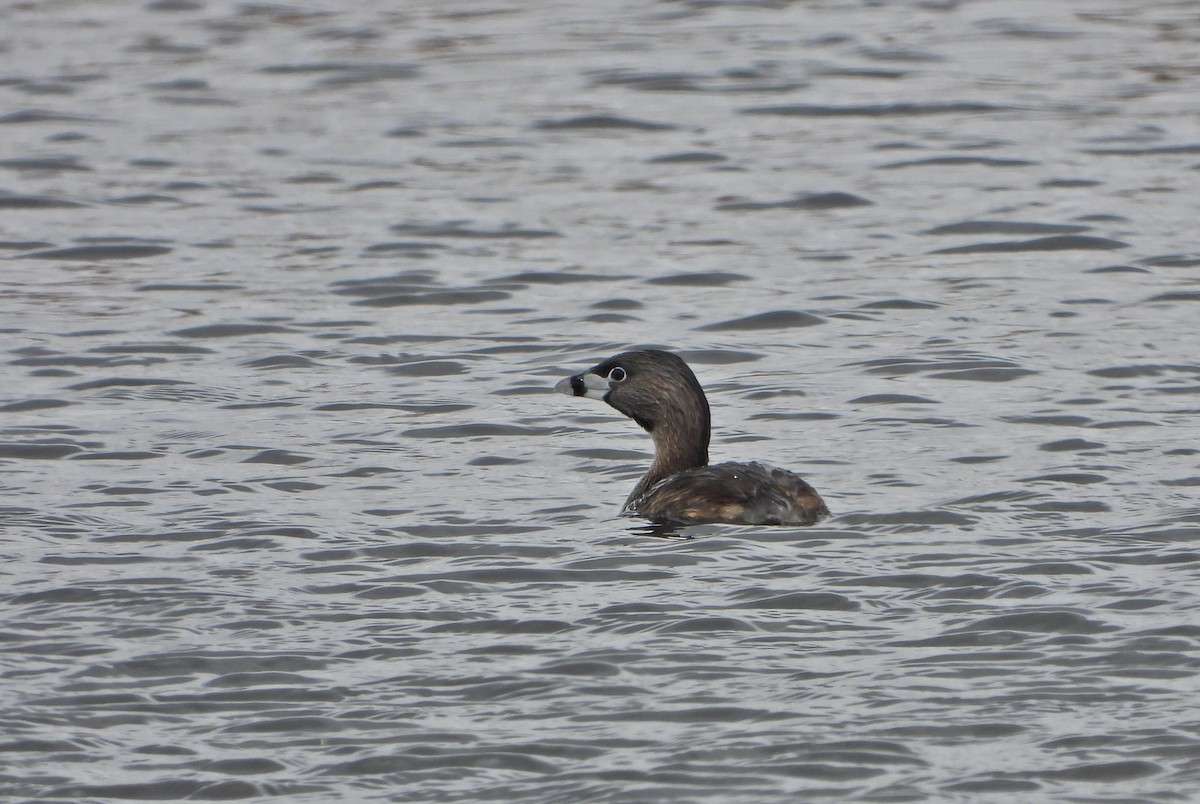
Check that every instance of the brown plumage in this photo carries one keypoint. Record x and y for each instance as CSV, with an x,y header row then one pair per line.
x,y
658,391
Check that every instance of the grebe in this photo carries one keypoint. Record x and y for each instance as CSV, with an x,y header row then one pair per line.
x,y
658,391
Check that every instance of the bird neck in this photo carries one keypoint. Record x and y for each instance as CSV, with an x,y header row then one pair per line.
x,y
678,446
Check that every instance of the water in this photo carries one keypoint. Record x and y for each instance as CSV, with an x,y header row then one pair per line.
x,y
290,509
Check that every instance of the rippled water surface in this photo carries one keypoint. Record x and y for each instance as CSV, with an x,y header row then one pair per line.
x,y
290,510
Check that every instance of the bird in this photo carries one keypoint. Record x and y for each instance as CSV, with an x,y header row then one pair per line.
x,y
658,390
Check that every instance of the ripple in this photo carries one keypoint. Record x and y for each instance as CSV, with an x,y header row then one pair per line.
x,y
186,287
554,278
415,763
100,252
1005,227
281,362
810,201
228,330
899,109
473,430
33,404
817,601
1156,150
776,319
1075,478
1176,295
984,374
757,79
165,790
893,399
341,74
458,229
280,457
1067,622
49,450
1052,243
45,164
688,158
124,382
957,161
41,116
708,279
429,368
8,201
952,366
601,122
899,304
1105,772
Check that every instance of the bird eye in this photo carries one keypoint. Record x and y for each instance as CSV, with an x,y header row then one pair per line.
x,y
617,374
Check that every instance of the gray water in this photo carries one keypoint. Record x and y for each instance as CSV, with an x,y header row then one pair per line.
x,y
290,510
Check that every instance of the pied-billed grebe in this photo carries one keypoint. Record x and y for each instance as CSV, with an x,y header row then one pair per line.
x,y
658,391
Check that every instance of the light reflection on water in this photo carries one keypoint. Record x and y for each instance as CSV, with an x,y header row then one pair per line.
x,y
291,508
